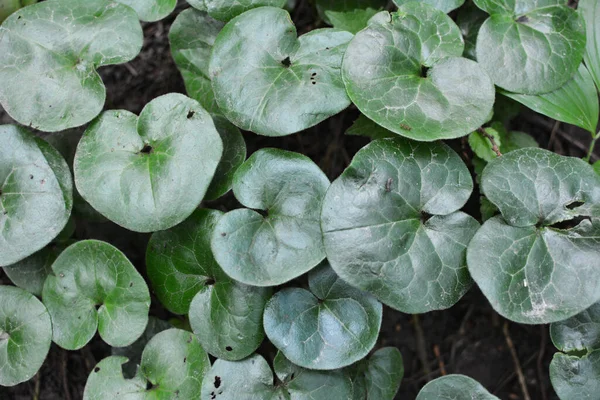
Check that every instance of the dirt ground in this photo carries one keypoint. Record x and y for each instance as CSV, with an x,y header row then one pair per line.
x,y
470,338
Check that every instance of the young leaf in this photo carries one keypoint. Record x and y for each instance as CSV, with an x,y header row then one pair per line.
x,y
386,76
151,10
382,373
269,81
225,315
576,102
514,140
529,46
224,10
268,250
8,7
454,387
391,224
192,37
36,194
349,15
49,53
482,146
442,5
596,167
590,12
329,327
469,20
95,286
173,366
148,173
536,263
363,126
25,335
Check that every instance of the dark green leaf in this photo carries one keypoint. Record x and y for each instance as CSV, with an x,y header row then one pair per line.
x,y
581,332
363,126
95,286
515,140
8,7
378,232
151,10
224,10
596,167
49,53
383,372
454,387
482,146
590,12
349,15
505,109
442,5
469,20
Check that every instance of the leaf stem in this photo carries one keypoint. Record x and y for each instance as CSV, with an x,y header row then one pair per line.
x,y
592,145
489,137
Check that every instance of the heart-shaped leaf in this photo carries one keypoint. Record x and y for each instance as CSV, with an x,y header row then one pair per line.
x,y
148,173
442,5
454,387
576,102
224,10
151,10
403,72
530,46
173,366
329,327
590,12
95,286
49,53
469,20
538,262
8,7
349,15
25,335
252,378
269,81
381,374
268,250
391,224
36,194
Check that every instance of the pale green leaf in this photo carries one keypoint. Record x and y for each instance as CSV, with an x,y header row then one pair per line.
x,y
482,145
454,387
576,377
578,333
151,10
442,5
590,12
224,10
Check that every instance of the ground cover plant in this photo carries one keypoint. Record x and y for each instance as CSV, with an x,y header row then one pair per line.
x,y
319,200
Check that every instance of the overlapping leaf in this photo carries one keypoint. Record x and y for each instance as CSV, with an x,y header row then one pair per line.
x,y
469,20
590,12
224,10
8,7
349,15
380,374
151,10
363,126
442,5
454,387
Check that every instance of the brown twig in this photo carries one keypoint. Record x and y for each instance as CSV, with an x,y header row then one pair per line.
x,y
540,360
489,137
36,386
515,358
436,351
553,134
421,352
63,368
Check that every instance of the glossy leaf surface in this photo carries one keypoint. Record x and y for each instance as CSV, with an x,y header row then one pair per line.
x,y
590,12
442,5
454,387
224,10
151,10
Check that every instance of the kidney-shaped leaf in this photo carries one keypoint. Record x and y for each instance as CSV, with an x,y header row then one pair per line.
x,y
151,10
454,387
404,72
269,81
25,335
530,46
148,173
349,15
173,366
391,224
95,286
36,194
539,261
268,250
224,10
443,5
380,374
329,327
49,53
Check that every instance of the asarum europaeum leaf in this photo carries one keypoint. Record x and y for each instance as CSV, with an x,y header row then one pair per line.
x,y
530,46
330,326
454,387
25,335
252,378
94,286
8,7
590,12
404,71
349,15
442,5
151,10
49,53
268,80
148,173
391,224
469,20
224,10
36,194
278,237
538,262
380,374
173,366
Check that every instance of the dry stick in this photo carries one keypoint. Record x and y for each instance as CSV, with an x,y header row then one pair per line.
x,y
436,351
515,358
63,367
489,137
536,119
540,360
553,134
421,352
36,386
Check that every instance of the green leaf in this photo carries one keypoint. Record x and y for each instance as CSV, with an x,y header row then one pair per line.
x,y
383,372
442,5
224,10
25,335
590,13
95,286
151,10
575,103
487,208
363,126
530,46
49,53
537,262
392,227
482,146
173,366
576,377
148,173
469,20
384,72
454,387
268,250
596,167
349,15
8,7
329,327
515,140
505,109
580,332
192,37
269,81
36,194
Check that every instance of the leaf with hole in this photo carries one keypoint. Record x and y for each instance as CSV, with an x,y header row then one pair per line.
x,y
36,194
391,224
224,10
25,335
454,387
148,173
537,262
94,286
590,12
381,374
173,366
330,326
349,15
151,10
269,81
404,71
49,53
278,237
